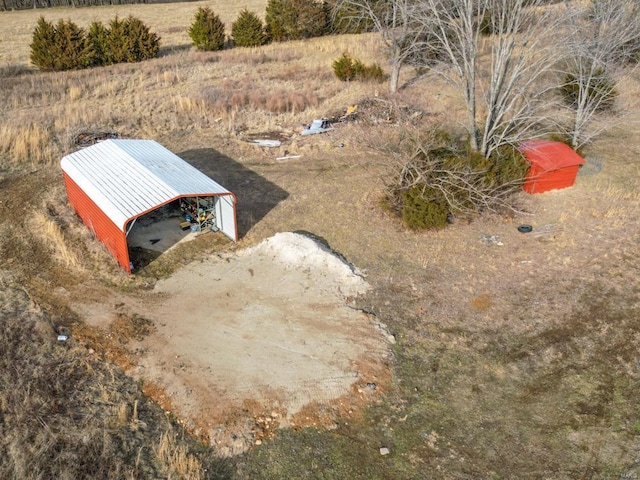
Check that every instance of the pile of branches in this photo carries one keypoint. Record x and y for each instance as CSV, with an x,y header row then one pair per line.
x,y
438,184
86,139
374,111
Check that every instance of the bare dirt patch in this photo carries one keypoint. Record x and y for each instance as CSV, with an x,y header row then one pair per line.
x,y
266,337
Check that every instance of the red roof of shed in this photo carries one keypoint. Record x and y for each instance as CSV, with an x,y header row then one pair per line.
x,y
548,155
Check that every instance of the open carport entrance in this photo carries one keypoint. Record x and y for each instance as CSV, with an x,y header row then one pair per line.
x,y
155,232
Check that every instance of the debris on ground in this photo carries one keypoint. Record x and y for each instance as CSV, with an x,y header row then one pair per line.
x,y
265,142
319,125
86,139
287,157
378,111
270,139
491,239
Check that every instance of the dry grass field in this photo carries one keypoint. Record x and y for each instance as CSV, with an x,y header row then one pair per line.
x,y
518,360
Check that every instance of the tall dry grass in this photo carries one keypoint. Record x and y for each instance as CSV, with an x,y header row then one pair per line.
x,y
285,84
52,235
28,144
176,459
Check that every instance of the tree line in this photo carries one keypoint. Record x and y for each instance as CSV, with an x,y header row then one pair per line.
x,y
6,5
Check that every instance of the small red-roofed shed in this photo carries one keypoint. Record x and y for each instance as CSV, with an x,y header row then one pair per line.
x,y
554,165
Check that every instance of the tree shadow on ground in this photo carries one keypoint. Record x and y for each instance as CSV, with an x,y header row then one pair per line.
x,y
256,196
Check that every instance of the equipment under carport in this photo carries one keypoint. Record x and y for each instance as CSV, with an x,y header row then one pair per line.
x,y
199,212
114,182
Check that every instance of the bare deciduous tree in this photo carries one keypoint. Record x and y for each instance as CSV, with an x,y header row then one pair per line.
x,y
503,104
603,42
395,21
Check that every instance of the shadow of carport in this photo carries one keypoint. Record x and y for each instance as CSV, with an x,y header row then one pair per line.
x,y
256,196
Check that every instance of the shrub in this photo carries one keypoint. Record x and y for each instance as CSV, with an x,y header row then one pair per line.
x,y
207,31
128,40
60,47
65,46
373,73
507,167
347,69
72,48
444,180
424,208
598,89
144,44
42,45
248,30
296,19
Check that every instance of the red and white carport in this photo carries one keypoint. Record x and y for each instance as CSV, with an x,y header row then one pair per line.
x,y
114,182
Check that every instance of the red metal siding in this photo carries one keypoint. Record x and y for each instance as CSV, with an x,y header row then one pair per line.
x,y
539,181
107,232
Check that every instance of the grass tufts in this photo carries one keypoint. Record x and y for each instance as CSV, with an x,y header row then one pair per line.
x,y
30,144
53,236
176,459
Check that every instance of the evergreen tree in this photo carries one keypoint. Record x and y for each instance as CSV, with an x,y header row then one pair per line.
x,y
297,19
248,30
207,31
42,44
98,38
61,47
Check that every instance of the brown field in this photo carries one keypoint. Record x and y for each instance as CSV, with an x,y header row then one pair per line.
x,y
517,360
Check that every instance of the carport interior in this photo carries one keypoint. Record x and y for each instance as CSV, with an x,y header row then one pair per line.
x,y
155,232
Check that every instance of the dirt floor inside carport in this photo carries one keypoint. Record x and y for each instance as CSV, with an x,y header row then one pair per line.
x,y
242,343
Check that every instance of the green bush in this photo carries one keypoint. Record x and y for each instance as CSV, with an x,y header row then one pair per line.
x,y
42,41
248,30
348,69
60,47
207,31
117,43
508,167
130,41
144,44
72,48
296,19
424,208
598,87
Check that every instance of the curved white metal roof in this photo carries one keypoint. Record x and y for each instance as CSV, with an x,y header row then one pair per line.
x,y
127,178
